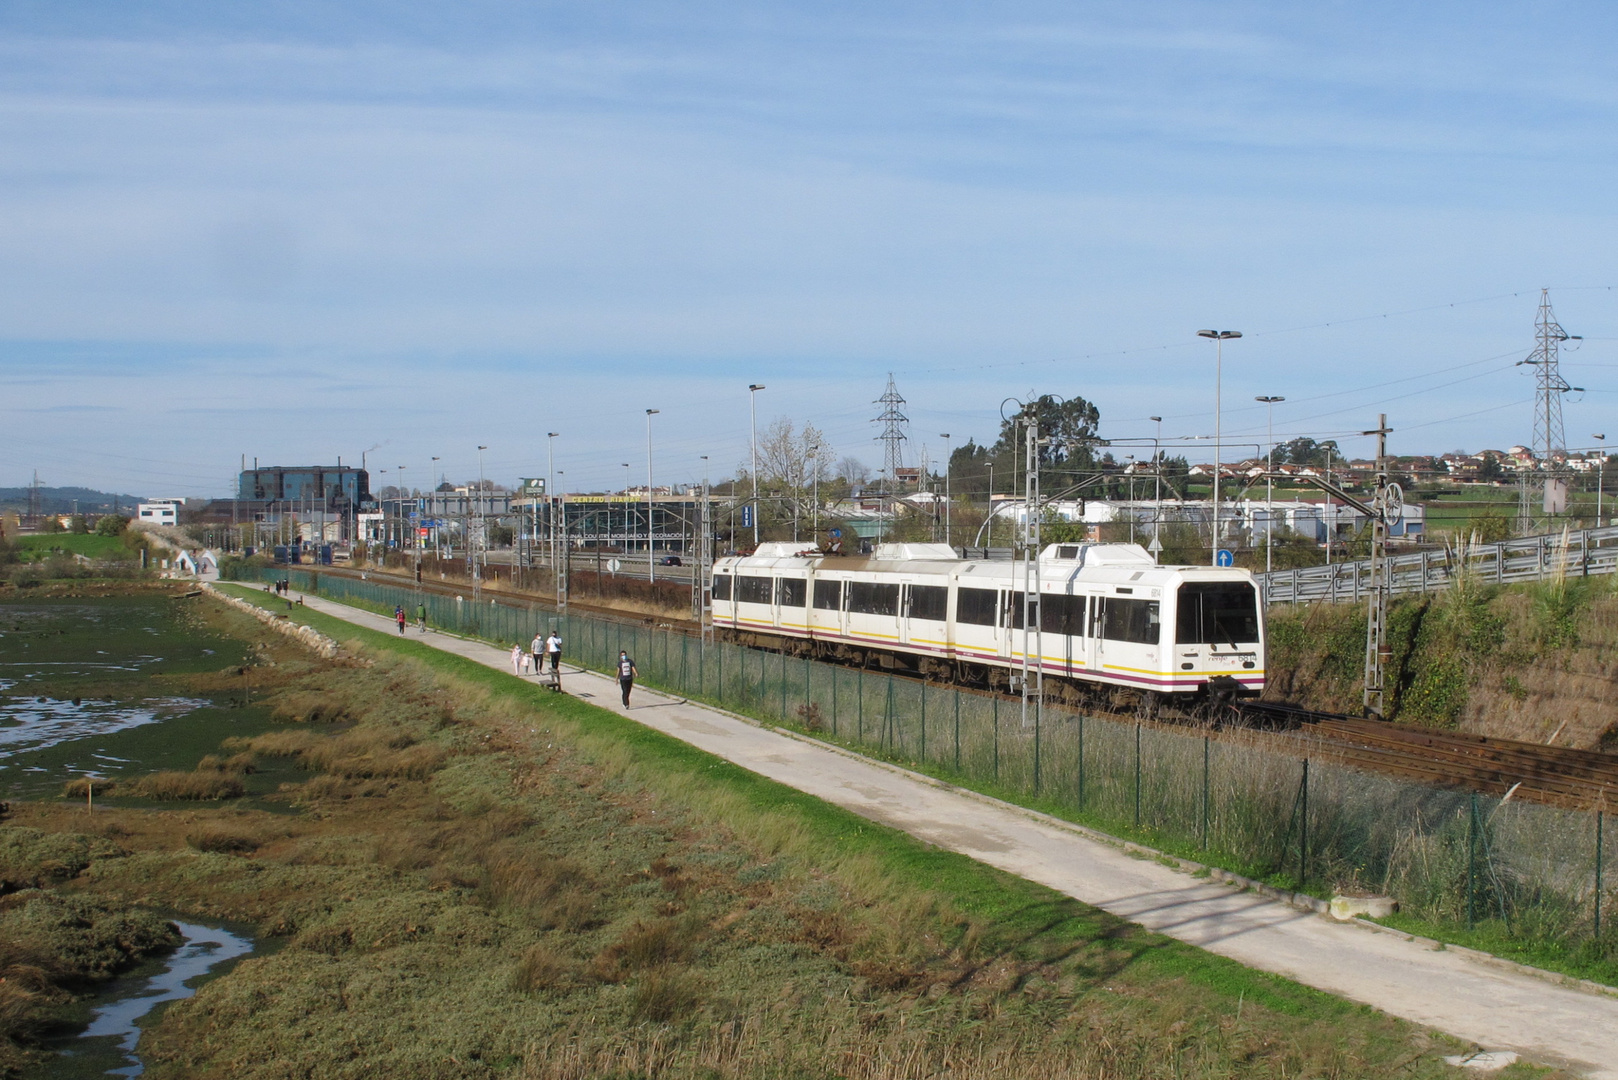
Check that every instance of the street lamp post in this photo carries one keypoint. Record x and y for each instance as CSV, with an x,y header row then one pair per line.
x,y
483,536
651,572
1269,468
1601,474
1218,337
947,539
752,421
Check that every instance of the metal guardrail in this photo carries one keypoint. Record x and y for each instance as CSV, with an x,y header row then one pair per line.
x,y
1532,558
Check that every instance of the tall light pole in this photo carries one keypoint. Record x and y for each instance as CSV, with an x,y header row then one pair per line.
x,y
1219,337
550,500
1157,489
1601,475
477,561
651,574
947,538
1269,468
752,421
438,536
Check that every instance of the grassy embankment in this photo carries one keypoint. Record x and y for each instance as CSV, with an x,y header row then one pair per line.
x,y
1535,662
479,877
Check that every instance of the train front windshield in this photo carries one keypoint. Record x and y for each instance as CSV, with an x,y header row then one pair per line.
x,y
1217,613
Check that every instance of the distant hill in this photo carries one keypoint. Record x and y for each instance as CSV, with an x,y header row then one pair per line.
x,y
60,500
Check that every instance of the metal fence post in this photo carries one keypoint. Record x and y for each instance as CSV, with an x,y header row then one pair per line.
x,y
1303,829
783,685
859,694
1600,816
888,736
808,689
1205,793
834,699
957,730
1471,856
1081,761
923,755
1137,774
997,737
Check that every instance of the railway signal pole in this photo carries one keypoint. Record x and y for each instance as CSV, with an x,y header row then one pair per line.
x,y
1389,507
1385,510
1033,644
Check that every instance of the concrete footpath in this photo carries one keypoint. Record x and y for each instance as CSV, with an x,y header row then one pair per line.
x,y
1488,1004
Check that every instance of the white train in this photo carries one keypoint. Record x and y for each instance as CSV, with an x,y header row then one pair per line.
x,y
1108,616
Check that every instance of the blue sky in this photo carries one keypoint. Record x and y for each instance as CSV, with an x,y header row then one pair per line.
x,y
294,231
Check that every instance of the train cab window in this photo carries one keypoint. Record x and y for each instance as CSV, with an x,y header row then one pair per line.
x,y
721,586
755,590
1062,615
790,592
829,595
1217,613
1136,621
929,602
979,607
869,598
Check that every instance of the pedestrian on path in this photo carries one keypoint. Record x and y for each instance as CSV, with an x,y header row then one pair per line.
x,y
553,650
399,617
516,660
537,647
421,617
626,675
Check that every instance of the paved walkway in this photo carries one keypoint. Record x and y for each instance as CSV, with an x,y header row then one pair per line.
x,y
1495,1007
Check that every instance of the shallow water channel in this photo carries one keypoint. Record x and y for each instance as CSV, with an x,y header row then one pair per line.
x,y
106,1047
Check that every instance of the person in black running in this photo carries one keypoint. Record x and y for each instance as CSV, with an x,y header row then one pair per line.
x,y
626,675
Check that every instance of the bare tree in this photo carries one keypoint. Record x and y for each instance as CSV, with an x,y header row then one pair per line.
x,y
790,460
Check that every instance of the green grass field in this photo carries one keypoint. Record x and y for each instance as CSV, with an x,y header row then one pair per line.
x,y
89,545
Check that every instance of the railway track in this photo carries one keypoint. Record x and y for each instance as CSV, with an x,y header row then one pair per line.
x,y
1525,771
1529,772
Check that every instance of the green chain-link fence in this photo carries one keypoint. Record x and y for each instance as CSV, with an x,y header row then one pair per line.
x,y
1279,811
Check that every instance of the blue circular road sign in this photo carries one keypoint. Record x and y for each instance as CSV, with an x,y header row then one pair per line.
x,y
1225,558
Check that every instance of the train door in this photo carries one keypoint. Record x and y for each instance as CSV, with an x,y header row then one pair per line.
x,y
1005,639
775,602
1098,643
904,613
1084,638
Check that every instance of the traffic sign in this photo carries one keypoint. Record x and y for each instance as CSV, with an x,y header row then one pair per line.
x,y
747,517
837,534
1225,557
615,565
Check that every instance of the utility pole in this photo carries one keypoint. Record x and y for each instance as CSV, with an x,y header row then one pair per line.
x,y
1157,489
948,536
701,598
557,584
1387,506
1269,472
476,549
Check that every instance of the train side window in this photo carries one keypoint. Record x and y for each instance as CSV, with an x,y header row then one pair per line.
x,y
1062,615
791,591
829,595
721,586
929,602
976,606
870,598
1136,621
755,590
